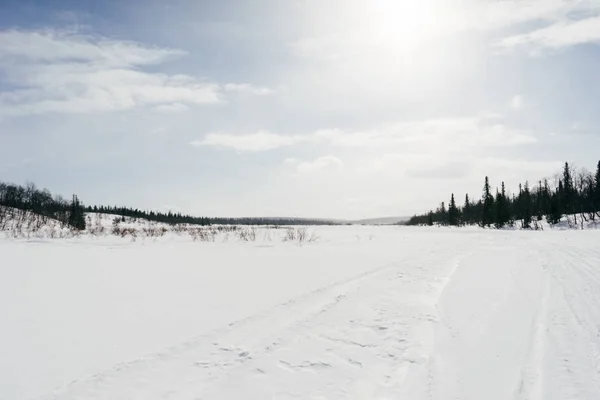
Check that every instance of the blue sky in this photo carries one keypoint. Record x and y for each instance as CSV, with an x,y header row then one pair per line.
x,y
343,108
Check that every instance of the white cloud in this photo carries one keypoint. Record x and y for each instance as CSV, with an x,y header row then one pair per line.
x,y
65,72
438,135
516,103
65,47
559,35
393,27
291,161
246,88
171,108
329,163
259,141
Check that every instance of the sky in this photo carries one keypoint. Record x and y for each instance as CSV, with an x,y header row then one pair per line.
x,y
306,108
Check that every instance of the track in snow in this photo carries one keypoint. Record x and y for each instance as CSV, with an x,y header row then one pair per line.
x,y
368,332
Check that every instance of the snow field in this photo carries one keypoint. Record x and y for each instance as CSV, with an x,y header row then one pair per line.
x,y
363,313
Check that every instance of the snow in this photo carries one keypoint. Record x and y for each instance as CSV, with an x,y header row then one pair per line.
x,y
362,313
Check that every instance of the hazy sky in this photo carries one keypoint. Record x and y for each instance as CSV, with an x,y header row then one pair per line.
x,y
313,108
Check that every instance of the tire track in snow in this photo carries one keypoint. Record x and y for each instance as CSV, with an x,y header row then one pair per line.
x,y
293,312
573,332
531,385
376,322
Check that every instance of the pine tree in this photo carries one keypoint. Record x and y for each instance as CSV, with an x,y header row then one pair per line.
x,y
539,202
467,211
525,204
518,205
568,190
487,215
502,208
510,209
499,206
443,214
547,198
76,214
555,212
597,189
453,217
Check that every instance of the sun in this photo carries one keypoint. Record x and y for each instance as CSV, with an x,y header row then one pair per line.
x,y
403,23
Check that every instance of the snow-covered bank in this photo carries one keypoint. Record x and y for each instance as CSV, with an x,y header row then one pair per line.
x,y
365,312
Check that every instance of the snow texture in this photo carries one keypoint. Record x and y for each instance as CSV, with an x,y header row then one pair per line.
x,y
363,313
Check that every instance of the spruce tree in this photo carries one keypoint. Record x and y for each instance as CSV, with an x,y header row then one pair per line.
x,y
539,201
555,212
597,189
452,212
568,190
467,211
76,214
511,206
487,215
499,207
526,207
443,214
502,208
546,198
518,204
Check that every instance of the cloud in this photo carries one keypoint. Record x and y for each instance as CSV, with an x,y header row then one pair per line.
x,y
65,72
259,141
556,36
438,135
329,163
171,108
516,103
571,22
246,88
67,46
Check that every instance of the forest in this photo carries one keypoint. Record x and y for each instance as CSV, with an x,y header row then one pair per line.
x,y
572,192
42,203
178,218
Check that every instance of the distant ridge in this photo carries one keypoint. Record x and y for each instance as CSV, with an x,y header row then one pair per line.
x,y
380,221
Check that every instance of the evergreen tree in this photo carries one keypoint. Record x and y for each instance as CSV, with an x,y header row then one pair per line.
x,y
568,190
577,195
430,218
467,211
525,205
518,205
539,202
77,214
512,210
499,223
453,216
555,212
487,215
546,193
443,214
597,189
502,208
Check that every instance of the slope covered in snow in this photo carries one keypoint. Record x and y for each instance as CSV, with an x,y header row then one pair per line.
x,y
364,312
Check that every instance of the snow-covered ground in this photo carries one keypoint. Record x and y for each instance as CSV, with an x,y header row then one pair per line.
x,y
362,313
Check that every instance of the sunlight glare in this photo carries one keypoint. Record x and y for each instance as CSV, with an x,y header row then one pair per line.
x,y
403,23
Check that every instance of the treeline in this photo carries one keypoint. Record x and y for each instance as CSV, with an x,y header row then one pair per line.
x,y
41,202
178,218
574,193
